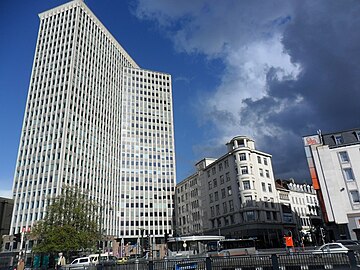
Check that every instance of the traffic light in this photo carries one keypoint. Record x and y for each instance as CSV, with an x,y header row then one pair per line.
x,y
17,237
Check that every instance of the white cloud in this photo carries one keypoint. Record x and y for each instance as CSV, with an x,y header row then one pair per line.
x,y
246,36
245,78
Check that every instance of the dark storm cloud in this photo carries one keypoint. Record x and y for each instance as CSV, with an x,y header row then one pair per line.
x,y
323,38
290,68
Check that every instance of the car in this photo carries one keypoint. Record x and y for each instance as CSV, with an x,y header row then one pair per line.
x,y
107,260
79,263
331,248
104,258
350,244
122,260
137,258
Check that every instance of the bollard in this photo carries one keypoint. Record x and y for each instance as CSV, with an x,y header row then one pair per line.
x,y
151,265
352,259
275,262
208,263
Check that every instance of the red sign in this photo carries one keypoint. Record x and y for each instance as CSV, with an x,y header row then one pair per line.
x,y
311,140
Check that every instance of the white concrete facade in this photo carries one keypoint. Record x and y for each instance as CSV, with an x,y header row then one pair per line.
x,y
334,162
95,119
237,195
304,204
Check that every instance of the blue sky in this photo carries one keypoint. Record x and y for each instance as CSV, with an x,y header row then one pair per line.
x,y
272,70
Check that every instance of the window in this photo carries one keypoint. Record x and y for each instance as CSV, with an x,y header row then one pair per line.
x,y
213,170
259,160
265,161
211,197
222,179
269,187
355,196
231,205
215,182
208,173
220,167
210,184
242,156
261,171
217,209
267,173
244,170
349,175
246,185
216,196
338,139
229,190
226,164
248,198
263,186
344,157
225,207
223,193
358,135
212,211
227,177
250,215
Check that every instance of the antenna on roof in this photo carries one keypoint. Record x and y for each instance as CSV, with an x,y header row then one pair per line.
x,y
320,135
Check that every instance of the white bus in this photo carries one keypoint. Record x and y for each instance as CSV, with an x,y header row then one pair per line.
x,y
190,246
232,247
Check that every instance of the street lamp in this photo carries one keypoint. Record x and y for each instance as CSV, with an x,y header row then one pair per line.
x,y
141,240
101,220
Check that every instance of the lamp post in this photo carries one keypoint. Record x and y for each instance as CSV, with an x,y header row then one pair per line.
x,y
101,232
102,219
141,240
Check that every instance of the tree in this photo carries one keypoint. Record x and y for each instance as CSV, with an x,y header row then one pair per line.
x,y
70,224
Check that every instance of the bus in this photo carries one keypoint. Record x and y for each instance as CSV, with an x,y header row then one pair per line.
x,y
190,246
232,247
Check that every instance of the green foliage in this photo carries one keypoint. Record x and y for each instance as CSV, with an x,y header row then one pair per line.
x,y
70,224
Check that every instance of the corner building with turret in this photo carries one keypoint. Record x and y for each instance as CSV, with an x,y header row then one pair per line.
x,y
233,195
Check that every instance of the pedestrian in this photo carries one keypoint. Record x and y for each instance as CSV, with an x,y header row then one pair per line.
x,y
21,264
61,261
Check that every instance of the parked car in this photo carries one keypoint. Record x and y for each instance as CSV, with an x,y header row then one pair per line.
x,y
350,244
137,258
107,260
122,260
103,257
330,248
79,263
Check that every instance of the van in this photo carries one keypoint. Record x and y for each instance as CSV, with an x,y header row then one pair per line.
x,y
79,263
94,258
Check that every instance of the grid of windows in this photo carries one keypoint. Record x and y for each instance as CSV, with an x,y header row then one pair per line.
x,y
95,119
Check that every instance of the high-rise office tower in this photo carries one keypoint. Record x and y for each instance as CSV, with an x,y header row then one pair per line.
x,y
95,119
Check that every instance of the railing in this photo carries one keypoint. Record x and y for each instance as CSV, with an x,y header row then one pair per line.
x,y
294,261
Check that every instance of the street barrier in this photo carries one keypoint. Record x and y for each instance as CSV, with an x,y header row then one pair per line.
x,y
293,261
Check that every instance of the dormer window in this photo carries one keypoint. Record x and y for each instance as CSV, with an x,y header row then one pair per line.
x,y
338,139
357,135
